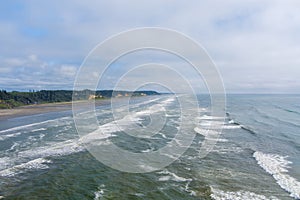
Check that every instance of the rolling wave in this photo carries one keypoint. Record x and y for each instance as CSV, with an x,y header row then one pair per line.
x,y
225,195
39,163
287,110
277,166
31,125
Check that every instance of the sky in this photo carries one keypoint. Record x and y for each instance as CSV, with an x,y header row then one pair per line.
x,y
254,43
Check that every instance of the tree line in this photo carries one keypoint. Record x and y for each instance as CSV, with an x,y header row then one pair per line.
x,y
15,98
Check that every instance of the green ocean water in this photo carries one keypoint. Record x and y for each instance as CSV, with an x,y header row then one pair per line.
x,y
256,156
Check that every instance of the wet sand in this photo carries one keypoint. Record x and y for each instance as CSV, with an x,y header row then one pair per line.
x,y
43,108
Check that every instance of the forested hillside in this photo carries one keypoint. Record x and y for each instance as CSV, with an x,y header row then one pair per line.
x,y
15,99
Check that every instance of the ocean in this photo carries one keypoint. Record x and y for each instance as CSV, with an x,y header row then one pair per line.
x,y
257,155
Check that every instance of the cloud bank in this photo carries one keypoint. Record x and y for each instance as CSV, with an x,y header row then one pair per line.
x,y
255,44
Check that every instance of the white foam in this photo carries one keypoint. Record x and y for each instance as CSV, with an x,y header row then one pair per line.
x,y
206,132
208,117
35,138
211,123
38,129
139,194
148,167
218,125
108,128
231,122
188,190
4,162
7,164
213,134
100,134
203,109
19,128
172,176
218,139
277,166
4,137
173,155
147,102
239,195
172,115
26,126
151,110
41,136
231,127
39,163
168,101
163,135
100,192
13,147
57,149
105,131
179,143
148,150
121,109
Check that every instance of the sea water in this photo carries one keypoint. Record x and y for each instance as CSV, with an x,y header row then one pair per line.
x,y
255,157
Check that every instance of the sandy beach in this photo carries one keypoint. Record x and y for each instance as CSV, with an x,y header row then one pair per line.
x,y
42,108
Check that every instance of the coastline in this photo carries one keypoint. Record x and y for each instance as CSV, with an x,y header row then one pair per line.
x,y
28,110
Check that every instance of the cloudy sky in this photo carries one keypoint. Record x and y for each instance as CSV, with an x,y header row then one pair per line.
x,y
255,44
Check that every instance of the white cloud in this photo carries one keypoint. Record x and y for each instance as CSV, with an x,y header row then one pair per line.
x,y
33,73
12,62
68,70
255,44
4,70
33,58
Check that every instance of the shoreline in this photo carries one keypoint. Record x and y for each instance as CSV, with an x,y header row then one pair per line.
x,y
35,109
